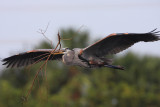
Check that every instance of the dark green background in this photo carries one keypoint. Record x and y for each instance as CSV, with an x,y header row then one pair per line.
x,y
71,86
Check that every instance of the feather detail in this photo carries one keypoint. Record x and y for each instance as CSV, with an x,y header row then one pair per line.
x,y
30,57
117,42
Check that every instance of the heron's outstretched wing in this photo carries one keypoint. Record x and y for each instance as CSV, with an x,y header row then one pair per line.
x,y
30,57
115,43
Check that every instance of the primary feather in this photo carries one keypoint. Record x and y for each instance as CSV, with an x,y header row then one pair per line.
x,y
30,57
116,43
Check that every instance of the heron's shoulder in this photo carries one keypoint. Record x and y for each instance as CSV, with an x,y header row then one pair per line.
x,y
76,49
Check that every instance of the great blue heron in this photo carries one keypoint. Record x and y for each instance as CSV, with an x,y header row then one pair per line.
x,y
90,57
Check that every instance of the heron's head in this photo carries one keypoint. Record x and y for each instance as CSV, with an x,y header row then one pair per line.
x,y
65,49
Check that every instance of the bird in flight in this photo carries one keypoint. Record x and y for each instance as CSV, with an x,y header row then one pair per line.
x,y
92,56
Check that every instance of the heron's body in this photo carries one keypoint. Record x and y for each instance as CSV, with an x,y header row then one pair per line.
x,y
71,57
91,56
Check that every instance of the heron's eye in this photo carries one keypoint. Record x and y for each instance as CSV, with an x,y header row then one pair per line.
x,y
66,48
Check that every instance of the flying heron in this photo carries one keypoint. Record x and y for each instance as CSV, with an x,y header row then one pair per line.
x,y
91,57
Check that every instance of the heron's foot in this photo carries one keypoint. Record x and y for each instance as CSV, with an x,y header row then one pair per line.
x,y
115,67
120,67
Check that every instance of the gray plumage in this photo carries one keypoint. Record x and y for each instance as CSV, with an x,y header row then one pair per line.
x,y
90,57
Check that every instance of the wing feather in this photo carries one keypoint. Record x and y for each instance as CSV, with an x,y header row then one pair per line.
x,y
116,43
30,57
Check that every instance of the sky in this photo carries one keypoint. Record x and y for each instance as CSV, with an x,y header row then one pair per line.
x,y
21,19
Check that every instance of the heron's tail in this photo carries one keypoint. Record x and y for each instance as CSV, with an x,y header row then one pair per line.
x,y
115,67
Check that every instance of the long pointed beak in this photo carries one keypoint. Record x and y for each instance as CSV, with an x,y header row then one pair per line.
x,y
57,53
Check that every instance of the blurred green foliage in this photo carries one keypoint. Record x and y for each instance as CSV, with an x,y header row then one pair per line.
x,y
72,86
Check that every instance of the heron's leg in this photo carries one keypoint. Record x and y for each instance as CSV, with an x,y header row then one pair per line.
x,y
115,67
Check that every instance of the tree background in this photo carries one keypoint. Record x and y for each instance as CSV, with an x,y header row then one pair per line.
x,y
70,86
